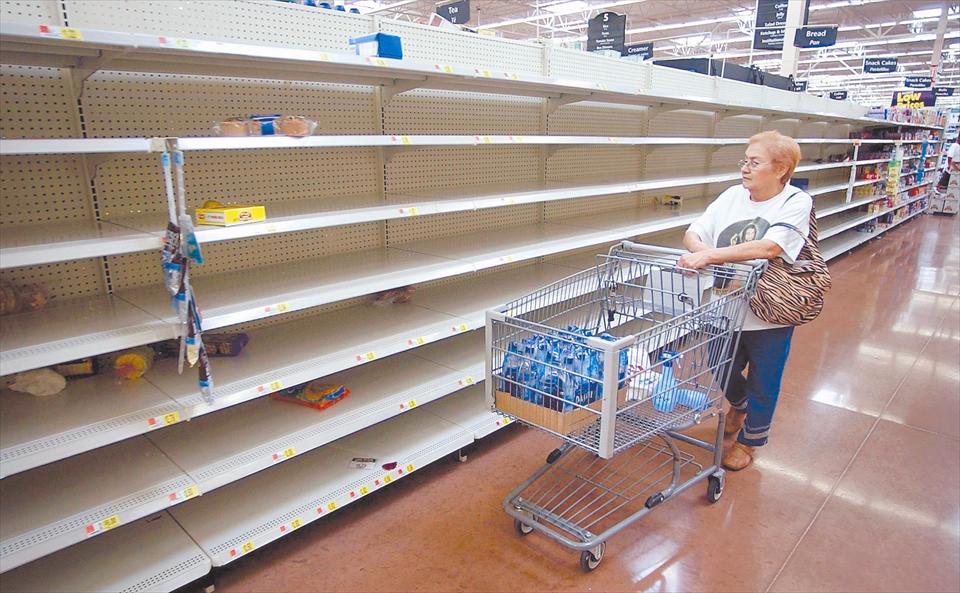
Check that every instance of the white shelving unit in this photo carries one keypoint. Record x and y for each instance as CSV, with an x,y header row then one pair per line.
x,y
476,169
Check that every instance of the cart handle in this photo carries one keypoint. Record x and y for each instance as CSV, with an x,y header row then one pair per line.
x,y
755,263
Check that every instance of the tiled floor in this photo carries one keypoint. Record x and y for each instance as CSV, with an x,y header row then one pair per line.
x,y
858,490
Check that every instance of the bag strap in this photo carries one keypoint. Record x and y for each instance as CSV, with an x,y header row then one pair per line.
x,y
813,234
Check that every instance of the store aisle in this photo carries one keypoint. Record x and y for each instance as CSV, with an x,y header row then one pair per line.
x,y
859,489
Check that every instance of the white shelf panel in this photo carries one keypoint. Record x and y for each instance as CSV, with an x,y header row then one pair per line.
x,y
27,45
830,207
860,182
921,184
75,329
843,222
844,242
213,453
226,300
69,501
817,191
873,161
151,555
802,168
29,245
470,411
14,146
89,413
292,353
234,520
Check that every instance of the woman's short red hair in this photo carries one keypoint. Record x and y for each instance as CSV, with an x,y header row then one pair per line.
x,y
784,150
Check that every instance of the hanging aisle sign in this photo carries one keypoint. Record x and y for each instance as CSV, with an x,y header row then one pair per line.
x,y
455,12
799,86
607,30
769,28
838,95
815,36
914,99
644,50
943,91
917,82
879,65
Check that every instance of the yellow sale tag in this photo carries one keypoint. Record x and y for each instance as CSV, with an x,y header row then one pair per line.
x,y
485,73
332,506
289,452
405,140
379,62
411,212
68,33
514,76
247,547
171,418
191,492
370,355
506,421
447,68
110,522
283,307
486,139
420,341
410,467
184,43
468,380
296,523
323,57
364,490
507,259
276,386
387,479
412,403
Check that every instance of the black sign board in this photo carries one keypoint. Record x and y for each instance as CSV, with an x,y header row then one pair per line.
x,y
879,65
838,95
455,12
769,26
917,82
607,30
815,36
799,86
943,91
914,99
644,50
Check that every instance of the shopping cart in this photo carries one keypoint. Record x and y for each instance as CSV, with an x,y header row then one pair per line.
x,y
668,336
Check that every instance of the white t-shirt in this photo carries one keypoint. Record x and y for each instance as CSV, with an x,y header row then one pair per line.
x,y
954,155
734,218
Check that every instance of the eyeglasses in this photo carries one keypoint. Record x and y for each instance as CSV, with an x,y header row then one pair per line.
x,y
750,164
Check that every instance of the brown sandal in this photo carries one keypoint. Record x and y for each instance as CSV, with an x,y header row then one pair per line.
x,y
738,456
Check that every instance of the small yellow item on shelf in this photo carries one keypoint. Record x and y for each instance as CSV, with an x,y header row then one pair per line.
x,y
220,215
133,364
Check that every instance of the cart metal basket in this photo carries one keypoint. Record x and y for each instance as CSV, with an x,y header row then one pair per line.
x,y
667,335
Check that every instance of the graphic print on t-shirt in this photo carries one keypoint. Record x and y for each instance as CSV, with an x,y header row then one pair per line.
x,y
743,231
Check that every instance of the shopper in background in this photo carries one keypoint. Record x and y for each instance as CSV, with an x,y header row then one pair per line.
x,y
953,163
762,218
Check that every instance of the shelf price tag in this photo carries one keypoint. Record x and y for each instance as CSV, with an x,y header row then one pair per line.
x,y
185,494
409,211
410,467
247,547
484,72
417,341
457,329
387,479
70,33
278,308
506,259
332,505
512,76
377,61
364,491
103,525
484,139
443,68
516,139
270,387
164,420
366,357
409,404
296,523
282,455
468,380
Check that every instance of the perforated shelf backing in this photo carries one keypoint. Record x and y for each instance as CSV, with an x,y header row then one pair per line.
x,y
579,65
140,269
433,168
401,230
680,83
65,280
37,102
430,44
31,12
456,113
593,119
258,22
596,163
570,209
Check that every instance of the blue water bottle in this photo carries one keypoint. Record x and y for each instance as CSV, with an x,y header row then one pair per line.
x,y
511,368
664,399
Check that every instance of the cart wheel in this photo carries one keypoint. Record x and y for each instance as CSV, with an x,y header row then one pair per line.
x,y
590,559
554,455
714,489
521,527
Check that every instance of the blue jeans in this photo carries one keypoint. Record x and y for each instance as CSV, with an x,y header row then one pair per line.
x,y
766,352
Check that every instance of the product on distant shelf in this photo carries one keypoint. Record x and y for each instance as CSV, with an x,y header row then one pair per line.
x,y
266,125
38,382
134,364
14,299
394,296
217,214
84,367
670,201
214,344
315,394
380,45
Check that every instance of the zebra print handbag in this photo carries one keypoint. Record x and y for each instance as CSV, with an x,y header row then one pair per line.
x,y
793,294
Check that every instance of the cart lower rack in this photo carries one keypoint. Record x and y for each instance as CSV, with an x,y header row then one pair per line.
x,y
667,336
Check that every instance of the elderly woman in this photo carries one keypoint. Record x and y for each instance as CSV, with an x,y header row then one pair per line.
x,y
762,218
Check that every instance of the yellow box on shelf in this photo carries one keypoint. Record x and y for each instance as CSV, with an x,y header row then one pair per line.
x,y
219,215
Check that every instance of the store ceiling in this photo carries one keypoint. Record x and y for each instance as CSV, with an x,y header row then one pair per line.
x,y
722,28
